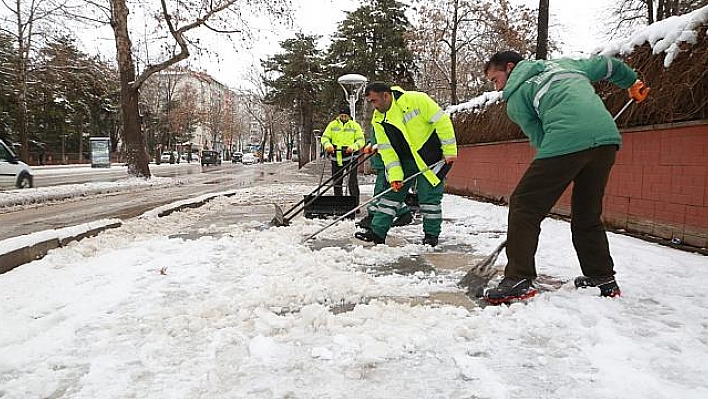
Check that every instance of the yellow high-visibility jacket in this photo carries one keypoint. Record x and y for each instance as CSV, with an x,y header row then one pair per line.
x,y
427,129
340,135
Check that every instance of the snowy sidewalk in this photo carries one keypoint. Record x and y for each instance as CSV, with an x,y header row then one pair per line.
x,y
207,304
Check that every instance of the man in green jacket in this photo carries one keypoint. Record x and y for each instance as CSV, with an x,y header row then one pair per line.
x,y
342,139
412,133
576,139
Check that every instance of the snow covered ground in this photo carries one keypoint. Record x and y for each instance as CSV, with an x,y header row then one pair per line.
x,y
190,308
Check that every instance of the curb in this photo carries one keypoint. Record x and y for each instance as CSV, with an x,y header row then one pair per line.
x,y
20,256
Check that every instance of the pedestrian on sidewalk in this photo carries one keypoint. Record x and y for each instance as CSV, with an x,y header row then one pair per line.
x,y
342,139
412,133
576,139
403,214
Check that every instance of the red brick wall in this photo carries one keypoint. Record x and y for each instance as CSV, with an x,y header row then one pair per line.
x,y
658,186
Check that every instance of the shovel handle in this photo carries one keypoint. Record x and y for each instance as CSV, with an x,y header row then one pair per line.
x,y
316,191
381,194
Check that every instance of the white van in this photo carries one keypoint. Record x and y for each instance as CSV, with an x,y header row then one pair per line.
x,y
13,172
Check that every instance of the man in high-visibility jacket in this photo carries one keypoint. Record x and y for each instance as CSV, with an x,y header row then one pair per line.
x,y
413,133
342,139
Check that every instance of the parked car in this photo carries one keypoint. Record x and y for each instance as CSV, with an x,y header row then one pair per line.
x,y
169,156
195,158
236,157
13,172
249,159
211,158
295,157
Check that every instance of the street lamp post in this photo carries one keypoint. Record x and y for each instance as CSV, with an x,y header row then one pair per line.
x,y
353,85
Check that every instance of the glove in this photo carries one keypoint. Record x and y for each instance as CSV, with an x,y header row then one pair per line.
x,y
330,149
396,185
638,92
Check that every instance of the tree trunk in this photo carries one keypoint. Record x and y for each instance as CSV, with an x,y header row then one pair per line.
x,y
542,39
453,56
306,133
137,157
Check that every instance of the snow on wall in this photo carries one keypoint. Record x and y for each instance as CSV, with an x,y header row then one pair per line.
x,y
663,36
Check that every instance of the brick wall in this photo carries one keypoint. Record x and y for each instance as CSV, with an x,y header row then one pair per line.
x,y
658,186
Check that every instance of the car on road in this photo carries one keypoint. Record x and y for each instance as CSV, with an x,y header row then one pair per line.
x,y
195,158
249,159
169,156
13,172
236,157
211,158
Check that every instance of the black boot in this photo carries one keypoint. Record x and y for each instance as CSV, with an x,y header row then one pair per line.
x,y
403,220
365,222
607,284
369,236
510,289
430,239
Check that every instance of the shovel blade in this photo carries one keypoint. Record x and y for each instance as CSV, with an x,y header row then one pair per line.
x,y
483,269
279,218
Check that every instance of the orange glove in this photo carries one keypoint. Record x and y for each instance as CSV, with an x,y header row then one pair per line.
x,y
638,92
330,149
396,185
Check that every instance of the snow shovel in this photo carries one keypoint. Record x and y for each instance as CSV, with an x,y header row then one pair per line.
x,y
484,268
283,218
381,194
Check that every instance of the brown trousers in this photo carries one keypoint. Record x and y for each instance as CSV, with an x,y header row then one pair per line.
x,y
539,189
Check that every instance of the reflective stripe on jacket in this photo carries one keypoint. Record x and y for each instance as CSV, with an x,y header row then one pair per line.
x,y
427,130
340,135
556,106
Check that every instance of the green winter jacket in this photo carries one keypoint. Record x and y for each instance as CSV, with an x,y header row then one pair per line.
x,y
556,106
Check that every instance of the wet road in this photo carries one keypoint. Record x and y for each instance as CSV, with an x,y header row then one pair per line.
x,y
134,200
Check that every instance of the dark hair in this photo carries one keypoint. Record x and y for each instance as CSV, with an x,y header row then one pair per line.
x,y
500,59
377,87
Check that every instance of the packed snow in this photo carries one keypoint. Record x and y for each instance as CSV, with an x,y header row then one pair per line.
x,y
191,307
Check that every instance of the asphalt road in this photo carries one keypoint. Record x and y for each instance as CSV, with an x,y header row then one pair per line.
x,y
137,200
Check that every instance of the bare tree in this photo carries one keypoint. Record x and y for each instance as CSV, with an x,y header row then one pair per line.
x,y
174,21
26,17
455,37
628,14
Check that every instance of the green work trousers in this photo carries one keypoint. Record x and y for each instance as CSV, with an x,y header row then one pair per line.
x,y
429,198
380,186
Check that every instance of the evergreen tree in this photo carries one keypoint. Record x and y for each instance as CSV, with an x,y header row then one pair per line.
x,y
8,104
373,41
76,98
294,80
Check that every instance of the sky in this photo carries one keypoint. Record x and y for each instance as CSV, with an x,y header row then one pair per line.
x,y
577,24
202,305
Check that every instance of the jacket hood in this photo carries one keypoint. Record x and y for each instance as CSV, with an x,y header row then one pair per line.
x,y
523,71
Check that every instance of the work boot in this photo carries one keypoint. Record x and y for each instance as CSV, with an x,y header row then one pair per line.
x,y
607,284
510,289
403,220
369,236
365,222
430,239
